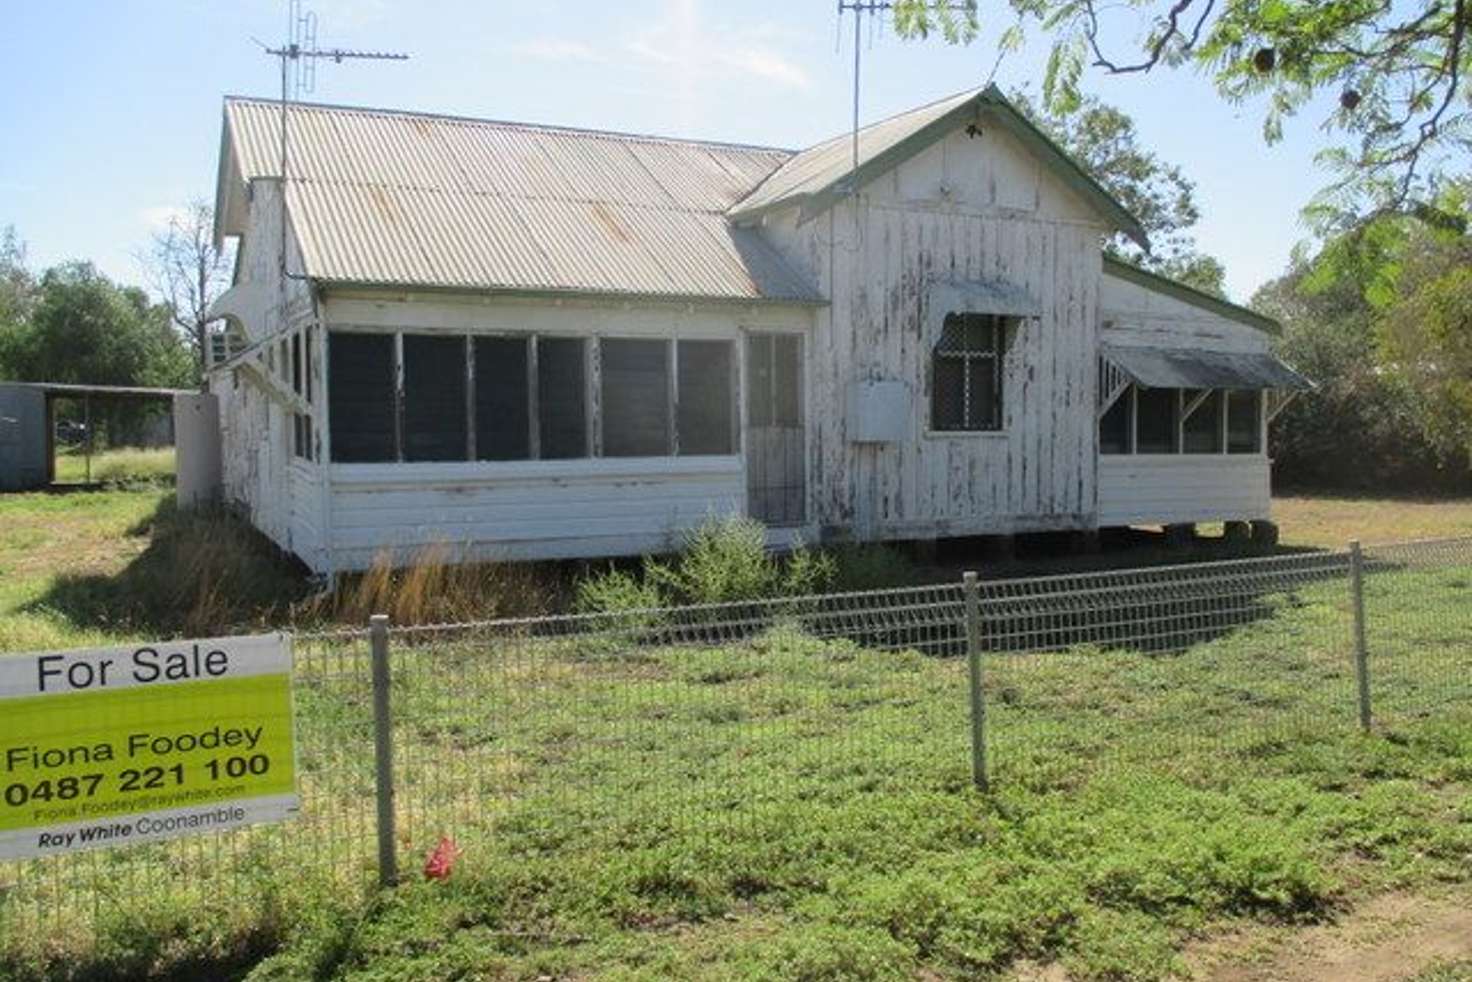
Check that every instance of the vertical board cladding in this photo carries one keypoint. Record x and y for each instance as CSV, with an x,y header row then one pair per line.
x,y
954,213
280,492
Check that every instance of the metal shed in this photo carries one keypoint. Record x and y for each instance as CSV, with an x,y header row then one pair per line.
x,y
23,445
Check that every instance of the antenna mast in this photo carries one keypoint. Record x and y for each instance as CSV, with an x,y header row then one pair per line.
x,y
860,8
299,57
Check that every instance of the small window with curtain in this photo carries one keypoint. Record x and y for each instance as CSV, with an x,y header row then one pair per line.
x,y
966,383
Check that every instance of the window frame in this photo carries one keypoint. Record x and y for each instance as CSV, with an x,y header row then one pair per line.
x,y
1000,324
592,405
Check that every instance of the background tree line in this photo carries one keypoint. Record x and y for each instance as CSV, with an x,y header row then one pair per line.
x,y
73,324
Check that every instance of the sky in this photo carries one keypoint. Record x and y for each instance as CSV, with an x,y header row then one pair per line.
x,y
110,109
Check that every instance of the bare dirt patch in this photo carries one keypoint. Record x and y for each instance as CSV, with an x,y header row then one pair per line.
x,y
1391,938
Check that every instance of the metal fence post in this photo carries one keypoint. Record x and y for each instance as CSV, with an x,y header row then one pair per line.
x,y
973,669
1361,650
383,751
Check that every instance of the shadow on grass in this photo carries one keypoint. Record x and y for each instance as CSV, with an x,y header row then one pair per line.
x,y
203,572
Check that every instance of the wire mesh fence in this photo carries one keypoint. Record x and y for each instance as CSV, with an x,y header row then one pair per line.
x,y
698,725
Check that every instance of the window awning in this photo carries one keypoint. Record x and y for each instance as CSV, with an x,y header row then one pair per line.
x,y
986,296
1184,368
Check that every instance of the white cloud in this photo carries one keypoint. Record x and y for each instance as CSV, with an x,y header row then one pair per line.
x,y
677,45
767,65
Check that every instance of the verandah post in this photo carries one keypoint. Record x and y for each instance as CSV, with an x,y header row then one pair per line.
x,y
383,750
1361,650
973,667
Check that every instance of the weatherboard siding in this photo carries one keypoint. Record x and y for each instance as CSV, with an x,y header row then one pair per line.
x,y
1157,489
961,210
1133,314
526,509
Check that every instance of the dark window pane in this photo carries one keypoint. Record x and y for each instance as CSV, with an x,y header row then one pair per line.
x,y
296,363
760,382
562,422
985,408
1156,421
635,399
786,380
1114,427
1244,423
948,395
966,390
1203,430
704,419
434,398
360,396
502,402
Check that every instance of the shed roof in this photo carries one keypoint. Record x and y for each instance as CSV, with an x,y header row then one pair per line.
x,y
817,176
380,197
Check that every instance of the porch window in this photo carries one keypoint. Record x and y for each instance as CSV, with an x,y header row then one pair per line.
x,y
360,397
705,400
434,398
1202,430
966,384
1157,412
636,398
1244,421
1115,426
502,399
562,396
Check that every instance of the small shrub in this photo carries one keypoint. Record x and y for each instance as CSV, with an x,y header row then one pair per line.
x,y
615,591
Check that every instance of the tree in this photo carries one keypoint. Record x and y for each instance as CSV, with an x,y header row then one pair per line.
x,y
1397,72
17,286
189,272
84,328
1104,140
1381,317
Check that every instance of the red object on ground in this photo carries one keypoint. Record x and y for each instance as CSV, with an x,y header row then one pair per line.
x,y
442,860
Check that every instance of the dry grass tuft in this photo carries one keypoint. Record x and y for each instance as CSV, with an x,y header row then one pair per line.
x,y
432,589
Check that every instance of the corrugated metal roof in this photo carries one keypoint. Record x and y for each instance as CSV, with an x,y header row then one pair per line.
x,y
393,198
816,177
1178,368
819,168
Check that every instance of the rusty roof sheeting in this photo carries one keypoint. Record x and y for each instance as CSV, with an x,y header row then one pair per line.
x,y
390,198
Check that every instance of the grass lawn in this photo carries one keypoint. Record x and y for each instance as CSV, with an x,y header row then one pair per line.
x,y
785,807
119,465
1331,522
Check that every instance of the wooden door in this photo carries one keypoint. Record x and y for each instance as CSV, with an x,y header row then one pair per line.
x,y
776,475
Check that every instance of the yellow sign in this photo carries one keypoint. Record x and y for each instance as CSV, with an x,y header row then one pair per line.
x,y
122,745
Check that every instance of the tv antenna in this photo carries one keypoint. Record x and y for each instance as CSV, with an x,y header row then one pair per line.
x,y
860,8
299,56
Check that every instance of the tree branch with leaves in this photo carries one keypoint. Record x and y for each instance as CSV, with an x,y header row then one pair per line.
x,y
1398,74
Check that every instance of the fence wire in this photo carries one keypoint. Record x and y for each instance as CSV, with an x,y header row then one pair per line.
x,y
700,724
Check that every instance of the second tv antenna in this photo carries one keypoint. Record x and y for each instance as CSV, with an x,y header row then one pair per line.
x,y
299,57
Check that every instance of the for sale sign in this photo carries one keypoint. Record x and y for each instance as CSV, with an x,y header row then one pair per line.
x,y
121,745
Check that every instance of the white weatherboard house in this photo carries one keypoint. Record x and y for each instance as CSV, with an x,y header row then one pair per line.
x,y
520,341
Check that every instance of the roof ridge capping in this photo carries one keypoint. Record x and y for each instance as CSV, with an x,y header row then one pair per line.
x,y
1186,293
275,103
821,190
